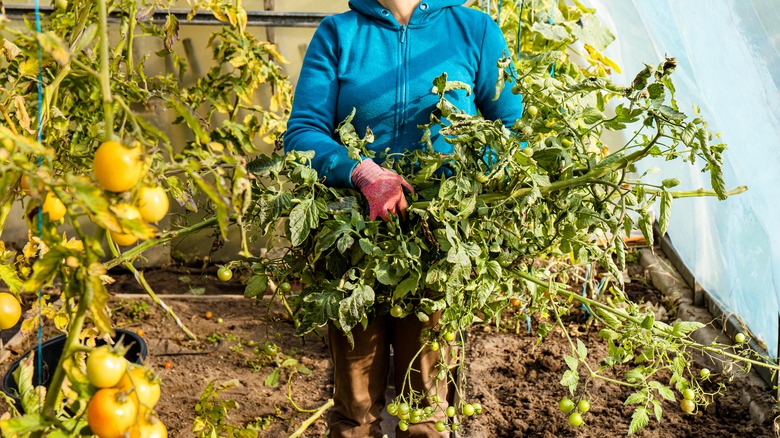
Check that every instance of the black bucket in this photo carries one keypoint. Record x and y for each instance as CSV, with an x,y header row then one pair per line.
x,y
51,351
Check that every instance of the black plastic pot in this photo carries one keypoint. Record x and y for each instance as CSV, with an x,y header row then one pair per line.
x,y
51,351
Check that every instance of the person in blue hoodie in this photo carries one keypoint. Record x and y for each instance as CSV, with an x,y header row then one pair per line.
x,y
381,58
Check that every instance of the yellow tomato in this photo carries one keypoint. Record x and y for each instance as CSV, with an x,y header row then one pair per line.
x,y
152,203
128,213
10,310
26,187
149,427
142,385
117,168
54,207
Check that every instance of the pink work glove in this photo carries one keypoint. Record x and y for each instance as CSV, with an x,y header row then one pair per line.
x,y
383,189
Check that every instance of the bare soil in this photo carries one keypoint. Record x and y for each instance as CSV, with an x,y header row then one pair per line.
x,y
515,378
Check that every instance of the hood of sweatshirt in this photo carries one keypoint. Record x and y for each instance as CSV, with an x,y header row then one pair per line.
x,y
426,11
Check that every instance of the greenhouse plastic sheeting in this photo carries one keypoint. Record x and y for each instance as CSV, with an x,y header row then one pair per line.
x,y
729,65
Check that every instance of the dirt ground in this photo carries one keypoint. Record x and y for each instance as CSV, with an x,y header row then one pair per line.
x,y
515,379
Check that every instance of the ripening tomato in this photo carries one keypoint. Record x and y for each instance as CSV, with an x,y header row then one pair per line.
x,y
152,203
104,368
143,385
128,213
123,239
687,406
110,413
149,427
117,168
10,310
26,187
54,207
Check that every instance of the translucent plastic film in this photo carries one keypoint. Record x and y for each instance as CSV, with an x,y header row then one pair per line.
x,y
729,65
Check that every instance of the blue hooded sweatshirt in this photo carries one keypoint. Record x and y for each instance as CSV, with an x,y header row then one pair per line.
x,y
365,59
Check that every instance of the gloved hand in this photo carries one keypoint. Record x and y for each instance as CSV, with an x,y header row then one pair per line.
x,y
383,189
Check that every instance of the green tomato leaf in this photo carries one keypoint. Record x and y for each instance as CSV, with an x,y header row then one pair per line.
x,y
571,362
273,379
256,286
570,380
582,350
636,398
638,420
405,287
657,410
665,212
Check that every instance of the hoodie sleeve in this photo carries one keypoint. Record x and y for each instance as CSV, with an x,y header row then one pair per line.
x,y
312,120
509,106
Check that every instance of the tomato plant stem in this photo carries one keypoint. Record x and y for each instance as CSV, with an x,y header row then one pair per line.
x,y
71,343
151,243
139,277
105,72
309,421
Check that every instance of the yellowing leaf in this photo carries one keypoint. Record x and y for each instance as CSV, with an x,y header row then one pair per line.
x,y
10,50
21,113
29,67
52,44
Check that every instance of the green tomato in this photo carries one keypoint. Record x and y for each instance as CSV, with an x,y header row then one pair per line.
x,y
477,407
566,405
434,346
392,409
704,373
396,311
224,273
583,406
739,338
450,411
449,336
427,412
270,349
575,419
403,425
440,426
528,131
688,394
532,111
528,151
467,410
285,287
403,408
687,406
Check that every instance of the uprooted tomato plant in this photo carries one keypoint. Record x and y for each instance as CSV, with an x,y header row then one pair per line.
x,y
518,209
93,175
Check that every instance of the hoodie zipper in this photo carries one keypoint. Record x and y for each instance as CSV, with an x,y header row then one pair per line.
x,y
402,79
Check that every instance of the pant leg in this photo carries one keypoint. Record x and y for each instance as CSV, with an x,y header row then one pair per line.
x,y
405,334
360,380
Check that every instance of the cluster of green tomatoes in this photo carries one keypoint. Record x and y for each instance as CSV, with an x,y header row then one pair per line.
x,y
408,415
575,411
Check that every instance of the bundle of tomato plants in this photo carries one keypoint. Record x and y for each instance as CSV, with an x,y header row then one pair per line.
x,y
517,209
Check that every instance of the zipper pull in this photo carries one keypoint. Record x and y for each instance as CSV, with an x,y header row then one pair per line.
x,y
403,33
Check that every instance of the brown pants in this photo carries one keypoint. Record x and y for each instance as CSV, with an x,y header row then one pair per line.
x,y
361,375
